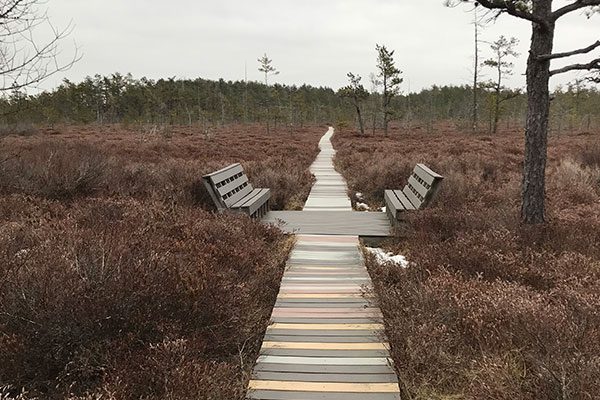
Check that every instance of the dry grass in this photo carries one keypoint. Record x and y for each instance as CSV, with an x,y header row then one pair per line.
x,y
117,282
489,309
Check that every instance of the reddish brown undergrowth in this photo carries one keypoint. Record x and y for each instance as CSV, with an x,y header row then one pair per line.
x,y
71,162
488,309
116,282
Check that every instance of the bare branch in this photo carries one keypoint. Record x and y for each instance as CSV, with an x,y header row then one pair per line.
x,y
585,50
25,60
510,7
592,65
577,5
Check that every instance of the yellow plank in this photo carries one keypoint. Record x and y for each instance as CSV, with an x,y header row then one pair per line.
x,y
330,269
324,387
327,327
325,346
321,296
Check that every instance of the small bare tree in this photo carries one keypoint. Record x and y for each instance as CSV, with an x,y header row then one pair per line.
x,y
357,93
475,106
266,68
502,48
24,59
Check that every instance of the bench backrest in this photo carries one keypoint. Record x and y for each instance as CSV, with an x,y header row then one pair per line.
x,y
422,185
227,186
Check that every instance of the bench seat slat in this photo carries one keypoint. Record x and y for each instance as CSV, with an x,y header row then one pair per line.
x,y
259,197
404,200
394,206
247,199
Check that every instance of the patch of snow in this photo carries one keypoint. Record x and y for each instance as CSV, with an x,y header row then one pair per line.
x,y
360,196
362,206
383,209
388,257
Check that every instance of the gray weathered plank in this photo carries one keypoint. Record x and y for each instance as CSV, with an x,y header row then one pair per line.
x,y
224,173
418,186
331,222
404,200
416,202
234,184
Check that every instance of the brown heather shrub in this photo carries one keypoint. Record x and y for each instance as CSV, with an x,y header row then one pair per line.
x,y
132,298
590,155
55,172
19,129
488,309
116,282
107,161
575,183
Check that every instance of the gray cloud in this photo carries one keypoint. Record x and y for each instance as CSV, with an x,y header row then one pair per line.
x,y
310,41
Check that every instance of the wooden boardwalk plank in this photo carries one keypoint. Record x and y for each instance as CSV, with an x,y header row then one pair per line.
x,y
332,222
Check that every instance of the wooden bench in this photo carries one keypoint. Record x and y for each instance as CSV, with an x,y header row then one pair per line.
x,y
421,187
230,190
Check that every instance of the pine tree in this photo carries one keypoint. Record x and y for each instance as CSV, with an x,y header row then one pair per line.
x,y
357,93
390,78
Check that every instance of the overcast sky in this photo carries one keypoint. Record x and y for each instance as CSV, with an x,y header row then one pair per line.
x,y
310,41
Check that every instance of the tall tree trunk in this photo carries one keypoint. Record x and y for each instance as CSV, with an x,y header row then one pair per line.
x,y
475,73
498,90
360,119
385,105
385,122
374,122
536,129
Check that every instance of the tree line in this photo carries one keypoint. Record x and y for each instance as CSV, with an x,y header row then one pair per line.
x,y
123,99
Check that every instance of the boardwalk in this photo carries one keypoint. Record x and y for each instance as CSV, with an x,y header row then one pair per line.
x,y
329,194
326,340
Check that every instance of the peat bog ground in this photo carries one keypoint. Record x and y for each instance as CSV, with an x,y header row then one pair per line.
x,y
116,279
488,309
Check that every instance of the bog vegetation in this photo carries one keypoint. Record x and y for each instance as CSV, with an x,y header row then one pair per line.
x,y
488,308
116,279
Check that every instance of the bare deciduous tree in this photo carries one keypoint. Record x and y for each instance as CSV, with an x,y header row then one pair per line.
x,y
543,18
26,60
475,105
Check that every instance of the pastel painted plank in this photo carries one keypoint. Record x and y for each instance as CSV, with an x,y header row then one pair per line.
x,y
346,327
325,346
325,386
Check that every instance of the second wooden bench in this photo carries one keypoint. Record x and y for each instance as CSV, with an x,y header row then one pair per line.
x,y
422,185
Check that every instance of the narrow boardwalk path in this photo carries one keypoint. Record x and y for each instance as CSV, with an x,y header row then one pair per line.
x,y
326,341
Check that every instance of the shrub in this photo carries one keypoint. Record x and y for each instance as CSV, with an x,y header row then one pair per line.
x,y
19,129
488,309
107,293
116,280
